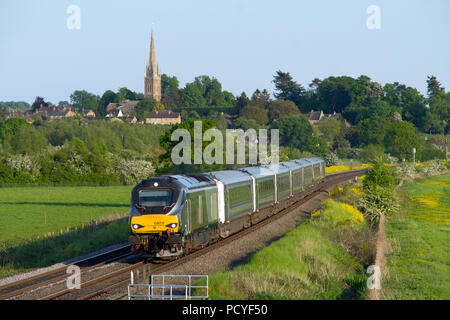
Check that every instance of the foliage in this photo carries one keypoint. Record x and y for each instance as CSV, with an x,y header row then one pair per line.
x,y
286,88
338,213
380,176
256,113
400,139
81,99
376,201
246,124
282,108
331,159
65,152
144,107
372,153
167,144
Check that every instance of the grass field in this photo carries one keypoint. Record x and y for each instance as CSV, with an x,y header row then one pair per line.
x,y
419,237
40,226
26,213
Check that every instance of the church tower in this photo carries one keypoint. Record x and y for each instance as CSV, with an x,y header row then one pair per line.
x,y
152,87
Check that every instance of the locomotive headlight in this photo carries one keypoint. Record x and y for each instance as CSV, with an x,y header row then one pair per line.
x,y
137,226
172,225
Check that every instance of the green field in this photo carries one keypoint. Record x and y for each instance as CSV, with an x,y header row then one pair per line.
x,y
419,262
26,213
40,226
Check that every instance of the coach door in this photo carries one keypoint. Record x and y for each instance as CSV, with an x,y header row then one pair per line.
x,y
188,216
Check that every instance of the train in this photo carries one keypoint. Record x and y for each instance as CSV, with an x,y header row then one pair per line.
x,y
173,215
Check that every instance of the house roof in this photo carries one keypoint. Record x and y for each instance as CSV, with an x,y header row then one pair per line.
x,y
159,114
315,115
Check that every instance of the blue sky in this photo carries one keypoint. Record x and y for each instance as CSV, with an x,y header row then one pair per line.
x,y
242,43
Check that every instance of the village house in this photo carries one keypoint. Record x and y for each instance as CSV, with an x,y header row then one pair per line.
x,y
316,116
118,110
163,117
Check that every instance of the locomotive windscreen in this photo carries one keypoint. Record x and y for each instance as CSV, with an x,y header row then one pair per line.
x,y
155,197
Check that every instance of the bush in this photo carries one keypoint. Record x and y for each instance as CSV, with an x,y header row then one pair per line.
x,y
431,153
331,159
379,176
377,201
372,153
335,214
348,153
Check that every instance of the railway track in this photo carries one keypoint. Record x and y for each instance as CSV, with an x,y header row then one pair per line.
x,y
51,277
119,278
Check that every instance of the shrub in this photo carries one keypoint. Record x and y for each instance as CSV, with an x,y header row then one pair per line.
x,y
372,152
377,201
331,159
380,175
338,214
405,170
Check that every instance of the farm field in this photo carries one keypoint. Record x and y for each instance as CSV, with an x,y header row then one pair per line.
x,y
29,212
419,236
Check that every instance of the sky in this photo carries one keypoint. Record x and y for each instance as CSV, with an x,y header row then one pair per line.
x,y
240,42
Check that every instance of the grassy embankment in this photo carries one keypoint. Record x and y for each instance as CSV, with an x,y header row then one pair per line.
x,y
419,262
43,225
323,258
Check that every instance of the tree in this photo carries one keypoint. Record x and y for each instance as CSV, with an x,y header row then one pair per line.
x,y
372,130
107,98
168,145
432,123
125,94
228,99
241,102
211,90
282,108
400,139
256,113
286,88
170,92
168,84
334,93
192,96
329,129
38,103
433,86
145,106
81,99
296,132
246,124
260,99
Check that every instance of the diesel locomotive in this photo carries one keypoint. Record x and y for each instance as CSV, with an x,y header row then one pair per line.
x,y
173,215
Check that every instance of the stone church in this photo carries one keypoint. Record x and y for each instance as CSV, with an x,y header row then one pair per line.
x,y
152,87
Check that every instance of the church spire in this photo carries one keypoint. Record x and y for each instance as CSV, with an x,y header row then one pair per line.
x,y
152,51
152,77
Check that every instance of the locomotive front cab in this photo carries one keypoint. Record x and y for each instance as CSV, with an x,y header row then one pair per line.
x,y
156,205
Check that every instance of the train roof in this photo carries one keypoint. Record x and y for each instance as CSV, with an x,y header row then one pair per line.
x,y
194,180
258,172
291,165
278,168
230,176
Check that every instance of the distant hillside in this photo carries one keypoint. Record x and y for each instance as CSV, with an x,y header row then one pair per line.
x,y
15,104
